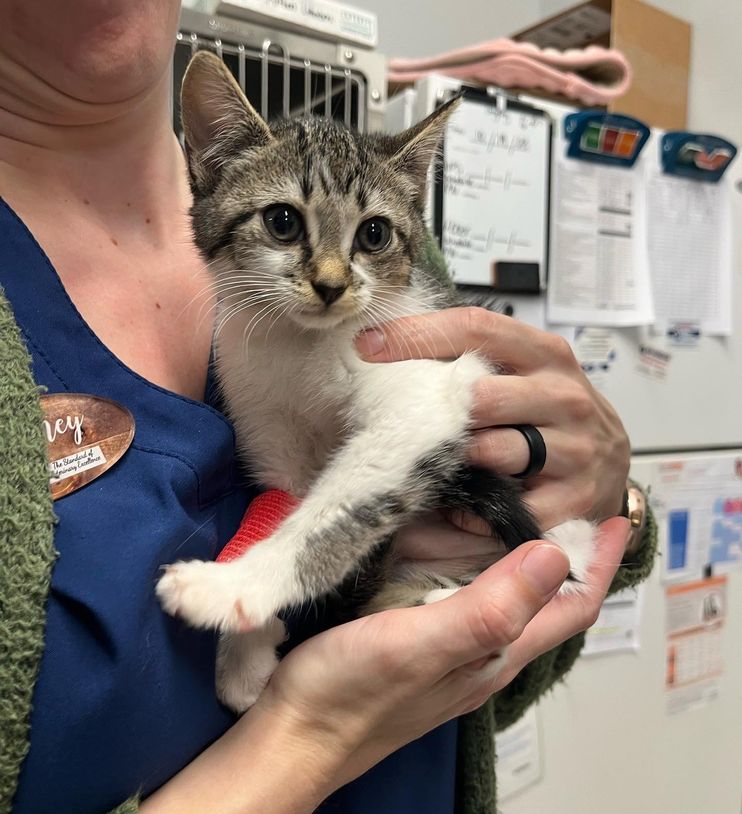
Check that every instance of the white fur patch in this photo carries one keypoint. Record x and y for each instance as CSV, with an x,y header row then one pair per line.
x,y
237,596
245,662
578,540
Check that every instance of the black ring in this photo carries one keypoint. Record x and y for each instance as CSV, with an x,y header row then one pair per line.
x,y
536,450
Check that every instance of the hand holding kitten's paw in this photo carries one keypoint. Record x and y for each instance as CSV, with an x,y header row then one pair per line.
x,y
575,610
381,681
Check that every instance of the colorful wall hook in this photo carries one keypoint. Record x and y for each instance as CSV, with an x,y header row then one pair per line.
x,y
608,138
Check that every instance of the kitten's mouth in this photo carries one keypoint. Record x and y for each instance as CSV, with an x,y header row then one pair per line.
x,y
324,318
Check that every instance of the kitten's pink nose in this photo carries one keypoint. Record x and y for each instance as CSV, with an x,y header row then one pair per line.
x,y
328,293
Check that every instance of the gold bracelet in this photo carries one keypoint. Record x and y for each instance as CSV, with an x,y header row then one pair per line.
x,y
636,504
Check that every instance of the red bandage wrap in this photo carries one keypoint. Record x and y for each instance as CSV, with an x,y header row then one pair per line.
x,y
263,516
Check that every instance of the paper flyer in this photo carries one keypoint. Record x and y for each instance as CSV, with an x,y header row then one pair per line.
x,y
695,616
698,505
617,627
518,755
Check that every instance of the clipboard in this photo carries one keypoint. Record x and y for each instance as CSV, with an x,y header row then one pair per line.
x,y
492,193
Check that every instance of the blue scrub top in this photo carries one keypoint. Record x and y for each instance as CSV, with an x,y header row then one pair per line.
x,y
125,694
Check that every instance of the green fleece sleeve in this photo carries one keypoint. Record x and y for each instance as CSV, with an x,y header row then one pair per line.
x,y
25,570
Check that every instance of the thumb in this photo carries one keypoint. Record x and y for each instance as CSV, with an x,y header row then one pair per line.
x,y
493,611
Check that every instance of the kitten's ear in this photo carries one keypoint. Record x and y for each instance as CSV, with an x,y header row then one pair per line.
x,y
218,121
413,149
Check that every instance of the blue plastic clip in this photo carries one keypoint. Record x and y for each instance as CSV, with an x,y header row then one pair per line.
x,y
696,155
608,138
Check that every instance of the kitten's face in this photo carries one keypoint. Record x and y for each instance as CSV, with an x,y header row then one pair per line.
x,y
305,221
325,228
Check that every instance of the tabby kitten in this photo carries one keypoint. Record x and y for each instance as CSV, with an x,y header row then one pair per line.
x,y
313,233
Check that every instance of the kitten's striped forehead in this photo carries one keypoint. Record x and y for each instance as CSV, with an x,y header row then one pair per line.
x,y
328,155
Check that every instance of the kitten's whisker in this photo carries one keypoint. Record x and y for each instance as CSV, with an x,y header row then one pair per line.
x,y
378,318
238,300
286,310
234,303
256,317
251,273
414,351
233,310
246,296
443,334
252,331
217,298
388,315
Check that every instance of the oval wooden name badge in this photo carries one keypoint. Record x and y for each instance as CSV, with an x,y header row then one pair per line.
x,y
85,436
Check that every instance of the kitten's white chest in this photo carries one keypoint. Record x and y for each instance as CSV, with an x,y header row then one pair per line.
x,y
286,397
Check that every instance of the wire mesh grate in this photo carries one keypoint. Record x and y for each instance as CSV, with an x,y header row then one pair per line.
x,y
277,83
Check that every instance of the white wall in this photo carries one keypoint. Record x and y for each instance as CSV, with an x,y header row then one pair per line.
x,y
418,28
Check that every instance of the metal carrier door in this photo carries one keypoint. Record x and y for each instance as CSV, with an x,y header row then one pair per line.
x,y
286,74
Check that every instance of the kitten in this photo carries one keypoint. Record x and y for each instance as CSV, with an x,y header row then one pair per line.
x,y
313,233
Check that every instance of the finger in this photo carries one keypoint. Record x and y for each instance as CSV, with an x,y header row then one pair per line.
x,y
567,615
438,539
449,333
553,501
493,611
505,450
471,524
522,400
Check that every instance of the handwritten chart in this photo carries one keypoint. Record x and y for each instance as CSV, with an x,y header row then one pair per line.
x,y
495,188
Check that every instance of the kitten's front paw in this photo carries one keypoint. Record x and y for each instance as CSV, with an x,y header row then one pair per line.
x,y
206,595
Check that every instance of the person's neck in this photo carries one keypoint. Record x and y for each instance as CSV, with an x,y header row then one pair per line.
x,y
121,158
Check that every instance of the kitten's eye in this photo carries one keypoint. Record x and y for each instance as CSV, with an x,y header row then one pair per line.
x,y
284,223
373,235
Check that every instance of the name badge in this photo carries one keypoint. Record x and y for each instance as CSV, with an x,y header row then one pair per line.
x,y
85,437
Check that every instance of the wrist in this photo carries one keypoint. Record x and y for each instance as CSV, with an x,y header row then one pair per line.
x,y
344,740
268,761
304,739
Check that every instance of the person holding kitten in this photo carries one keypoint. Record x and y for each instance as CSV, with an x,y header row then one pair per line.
x,y
115,707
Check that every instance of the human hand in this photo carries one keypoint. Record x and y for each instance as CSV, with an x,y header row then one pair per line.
x,y
368,687
587,448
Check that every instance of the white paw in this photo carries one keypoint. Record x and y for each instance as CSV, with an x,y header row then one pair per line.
x,y
578,540
437,594
244,664
205,594
234,596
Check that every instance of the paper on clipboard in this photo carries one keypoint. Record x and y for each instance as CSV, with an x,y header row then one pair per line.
x,y
690,253
599,267
493,197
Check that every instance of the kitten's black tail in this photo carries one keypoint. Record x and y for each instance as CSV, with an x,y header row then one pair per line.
x,y
496,499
